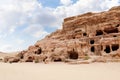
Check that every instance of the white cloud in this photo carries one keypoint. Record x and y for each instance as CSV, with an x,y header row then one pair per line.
x,y
66,2
10,48
20,41
110,3
82,6
44,17
6,47
12,44
36,31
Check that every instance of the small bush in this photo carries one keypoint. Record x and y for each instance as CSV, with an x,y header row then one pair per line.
x,y
86,57
36,60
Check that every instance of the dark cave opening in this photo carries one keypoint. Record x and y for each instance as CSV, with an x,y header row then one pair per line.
x,y
84,34
117,25
21,57
107,50
99,32
111,30
92,41
92,49
58,60
115,47
30,59
73,54
114,36
39,51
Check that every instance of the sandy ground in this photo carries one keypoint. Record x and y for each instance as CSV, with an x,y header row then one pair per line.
x,y
59,71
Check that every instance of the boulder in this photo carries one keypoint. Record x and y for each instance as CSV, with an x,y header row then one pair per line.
x,y
11,59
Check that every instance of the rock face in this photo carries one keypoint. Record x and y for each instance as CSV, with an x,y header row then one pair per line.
x,y
90,34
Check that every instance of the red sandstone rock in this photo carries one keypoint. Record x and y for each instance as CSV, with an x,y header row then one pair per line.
x,y
11,59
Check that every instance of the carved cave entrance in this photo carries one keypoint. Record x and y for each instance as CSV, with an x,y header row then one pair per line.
x,y
99,32
115,47
30,59
92,49
84,34
92,41
107,49
111,30
73,54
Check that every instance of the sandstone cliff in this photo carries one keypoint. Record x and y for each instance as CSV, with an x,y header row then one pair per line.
x,y
82,36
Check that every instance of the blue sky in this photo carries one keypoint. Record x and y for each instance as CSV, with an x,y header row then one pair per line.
x,y
52,3
23,22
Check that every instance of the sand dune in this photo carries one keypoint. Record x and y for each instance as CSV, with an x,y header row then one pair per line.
x,y
59,71
2,54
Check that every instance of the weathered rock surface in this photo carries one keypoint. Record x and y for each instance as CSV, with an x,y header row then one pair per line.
x,y
90,34
11,59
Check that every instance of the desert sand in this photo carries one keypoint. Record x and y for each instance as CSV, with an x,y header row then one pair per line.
x,y
59,71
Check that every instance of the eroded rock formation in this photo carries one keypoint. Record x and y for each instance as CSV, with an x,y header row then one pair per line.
x,y
82,36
